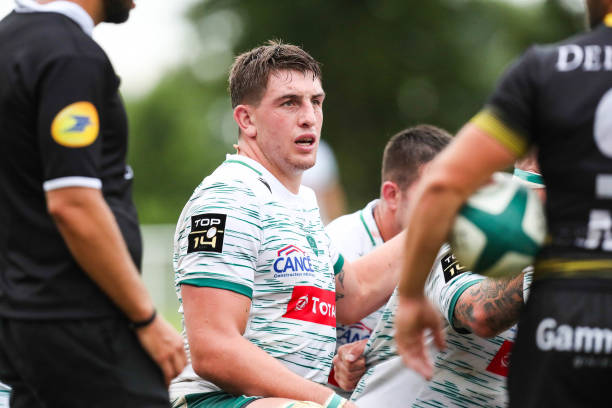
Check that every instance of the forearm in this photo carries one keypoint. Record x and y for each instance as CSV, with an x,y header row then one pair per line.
x,y
252,371
429,224
366,284
94,239
490,306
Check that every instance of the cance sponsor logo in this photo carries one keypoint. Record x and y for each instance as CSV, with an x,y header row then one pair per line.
x,y
292,261
311,304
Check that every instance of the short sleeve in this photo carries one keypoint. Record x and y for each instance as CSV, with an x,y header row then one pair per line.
x,y
218,239
446,282
72,94
509,113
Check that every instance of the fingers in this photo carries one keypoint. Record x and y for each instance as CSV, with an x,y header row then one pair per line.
x,y
165,346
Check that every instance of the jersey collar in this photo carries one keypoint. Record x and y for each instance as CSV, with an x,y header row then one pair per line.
x,y
608,20
261,171
71,10
369,223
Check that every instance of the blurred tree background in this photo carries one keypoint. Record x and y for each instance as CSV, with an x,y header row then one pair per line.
x,y
387,64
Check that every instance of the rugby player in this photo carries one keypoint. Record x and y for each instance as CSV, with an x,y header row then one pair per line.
x,y
260,284
558,98
472,371
359,233
77,326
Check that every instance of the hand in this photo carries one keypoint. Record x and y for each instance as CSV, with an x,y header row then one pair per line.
x,y
165,346
349,364
415,315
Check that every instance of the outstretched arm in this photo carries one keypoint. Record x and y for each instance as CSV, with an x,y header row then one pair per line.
x,y
490,306
364,285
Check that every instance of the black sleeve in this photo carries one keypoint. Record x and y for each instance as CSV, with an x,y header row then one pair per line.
x,y
71,95
514,99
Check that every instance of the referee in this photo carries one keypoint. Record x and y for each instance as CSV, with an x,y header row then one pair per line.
x,y
77,326
558,98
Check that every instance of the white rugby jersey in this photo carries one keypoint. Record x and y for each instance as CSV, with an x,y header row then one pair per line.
x,y
243,231
5,395
471,372
355,235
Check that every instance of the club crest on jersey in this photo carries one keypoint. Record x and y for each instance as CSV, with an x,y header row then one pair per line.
x,y
207,232
451,267
311,304
77,125
291,261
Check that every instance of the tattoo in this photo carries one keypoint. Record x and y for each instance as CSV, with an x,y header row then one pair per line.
x,y
340,285
498,300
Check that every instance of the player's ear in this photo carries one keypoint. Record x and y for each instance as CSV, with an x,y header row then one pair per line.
x,y
242,116
389,192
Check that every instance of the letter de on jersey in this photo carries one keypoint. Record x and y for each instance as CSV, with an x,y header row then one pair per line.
x,y
207,232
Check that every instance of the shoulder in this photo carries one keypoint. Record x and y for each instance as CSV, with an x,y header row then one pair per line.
x,y
345,226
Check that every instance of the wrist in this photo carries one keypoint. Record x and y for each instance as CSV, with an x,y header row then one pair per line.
x,y
140,324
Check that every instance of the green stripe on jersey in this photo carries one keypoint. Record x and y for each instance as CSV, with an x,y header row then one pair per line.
x,y
339,264
455,298
219,284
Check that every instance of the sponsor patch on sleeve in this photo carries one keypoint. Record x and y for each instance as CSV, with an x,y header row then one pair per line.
x,y
77,125
207,232
451,267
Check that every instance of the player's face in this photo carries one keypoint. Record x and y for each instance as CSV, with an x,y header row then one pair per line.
x,y
288,122
117,11
596,11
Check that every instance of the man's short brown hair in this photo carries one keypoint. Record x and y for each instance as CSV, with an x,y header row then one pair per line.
x,y
249,73
408,150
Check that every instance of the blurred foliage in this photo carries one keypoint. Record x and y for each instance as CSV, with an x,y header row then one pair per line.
x,y
387,65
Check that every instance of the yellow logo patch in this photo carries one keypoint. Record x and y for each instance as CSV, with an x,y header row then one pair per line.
x,y
77,125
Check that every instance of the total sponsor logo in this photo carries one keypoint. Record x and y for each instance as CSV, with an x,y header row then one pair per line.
x,y
500,363
311,304
292,261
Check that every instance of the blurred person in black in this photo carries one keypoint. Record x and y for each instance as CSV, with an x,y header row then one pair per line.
x,y
558,98
77,326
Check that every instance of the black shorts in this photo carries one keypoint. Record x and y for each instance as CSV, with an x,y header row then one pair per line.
x,y
563,351
78,363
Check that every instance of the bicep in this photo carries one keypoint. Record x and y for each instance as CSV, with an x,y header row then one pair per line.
x,y
211,310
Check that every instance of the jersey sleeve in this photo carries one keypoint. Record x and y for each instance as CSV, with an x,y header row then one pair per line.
x,y
446,282
70,108
218,239
509,114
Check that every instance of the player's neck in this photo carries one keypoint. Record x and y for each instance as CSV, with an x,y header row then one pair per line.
x,y
385,221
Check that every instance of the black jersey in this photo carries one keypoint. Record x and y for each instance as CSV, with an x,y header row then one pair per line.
x,y
559,98
62,123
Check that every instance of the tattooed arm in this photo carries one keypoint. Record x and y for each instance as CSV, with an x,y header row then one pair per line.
x,y
490,306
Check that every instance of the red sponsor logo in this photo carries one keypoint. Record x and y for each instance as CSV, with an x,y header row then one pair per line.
x,y
312,304
500,363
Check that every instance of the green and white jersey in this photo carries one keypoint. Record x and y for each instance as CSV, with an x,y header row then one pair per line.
x,y
471,372
355,235
5,395
243,231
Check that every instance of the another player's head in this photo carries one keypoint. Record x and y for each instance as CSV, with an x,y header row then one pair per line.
x,y
404,158
597,10
117,11
277,96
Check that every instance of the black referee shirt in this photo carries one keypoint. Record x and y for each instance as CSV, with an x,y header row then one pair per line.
x,y
62,123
